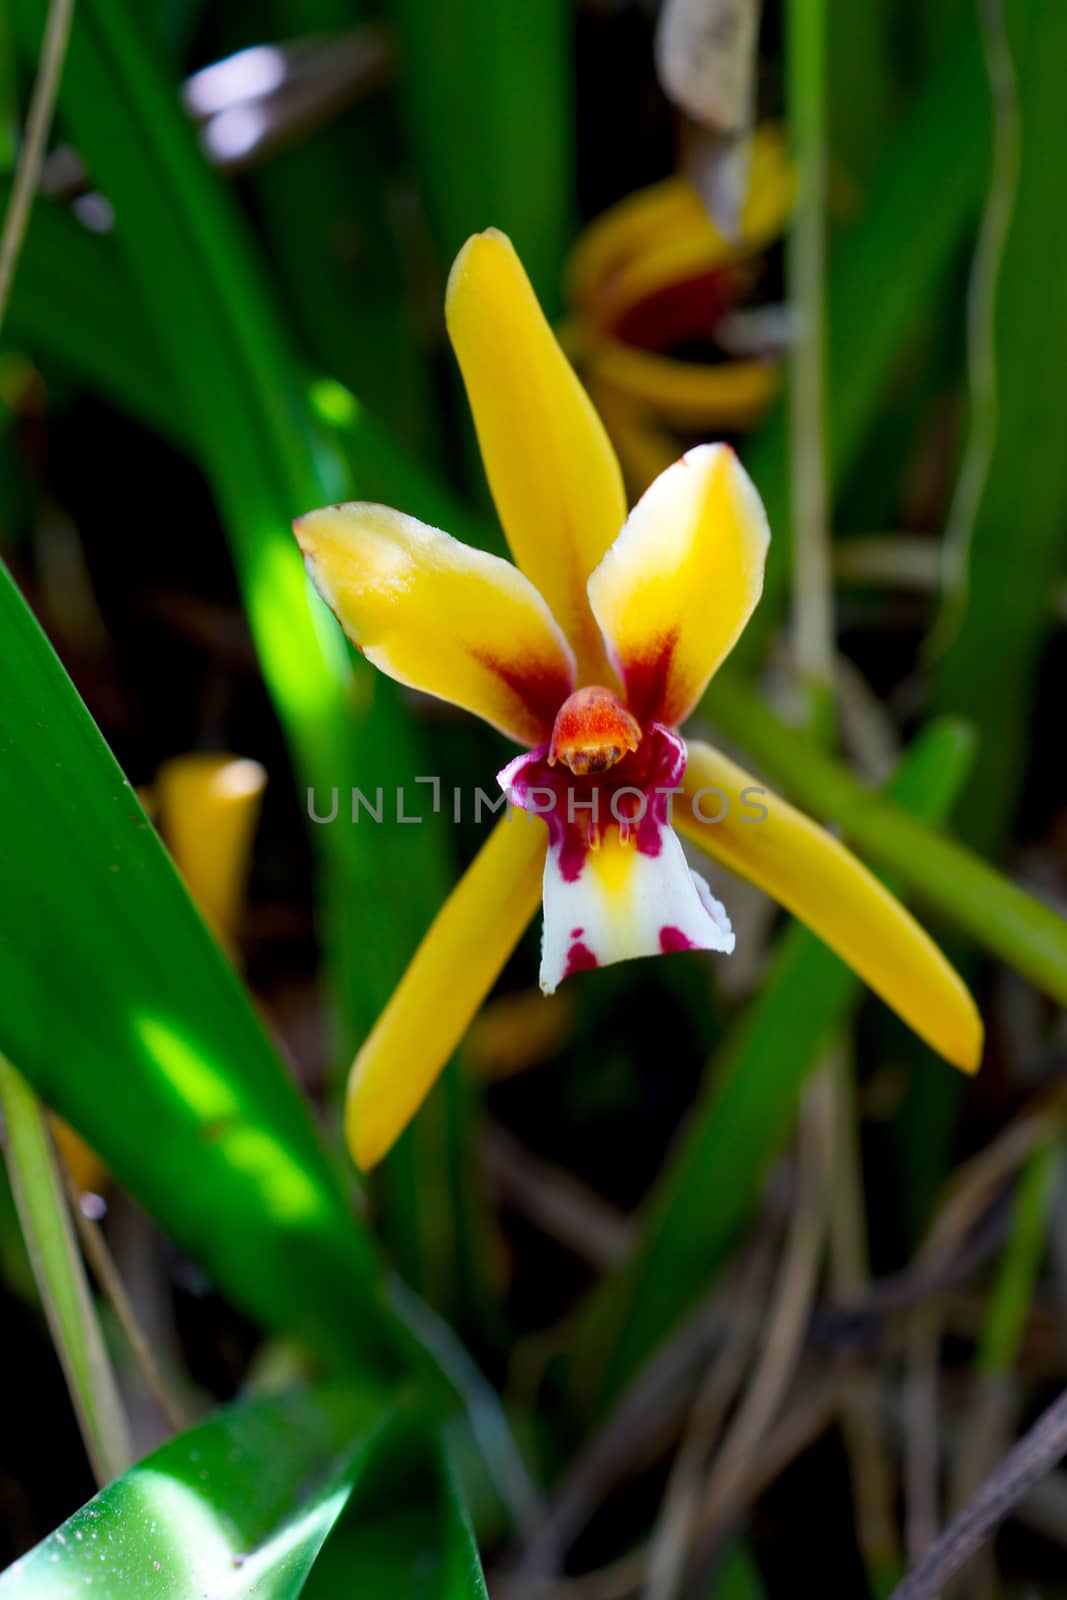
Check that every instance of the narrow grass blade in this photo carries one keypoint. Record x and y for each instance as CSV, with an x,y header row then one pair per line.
x,y
1011,1298
37,1185
127,1019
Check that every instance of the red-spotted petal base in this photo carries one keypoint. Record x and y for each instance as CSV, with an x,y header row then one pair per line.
x,y
616,881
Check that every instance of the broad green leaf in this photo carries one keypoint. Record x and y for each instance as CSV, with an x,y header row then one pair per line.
x,y
1013,496
267,451
238,1506
98,294
231,374
37,1185
462,1574
486,90
8,99
123,1013
708,1193
409,1538
328,206
862,83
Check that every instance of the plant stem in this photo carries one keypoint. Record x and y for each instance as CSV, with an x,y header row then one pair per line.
x,y
60,1275
813,631
1036,1453
39,121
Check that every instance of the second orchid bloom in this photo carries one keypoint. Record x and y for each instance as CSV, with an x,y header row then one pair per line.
x,y
589,652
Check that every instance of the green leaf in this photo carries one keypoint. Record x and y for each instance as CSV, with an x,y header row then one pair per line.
x,y
1011,1297
737,1577
328,208
73,302
125,1016
407,1538
230,372
37,1185
861,83
1013,496
488,101
240,1505
708,1193
462,1566
272,447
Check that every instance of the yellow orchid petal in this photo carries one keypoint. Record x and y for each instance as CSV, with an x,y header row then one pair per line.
x,y
663,234
450,975
208,807
678,585
816,878
439,616
686,394
553,473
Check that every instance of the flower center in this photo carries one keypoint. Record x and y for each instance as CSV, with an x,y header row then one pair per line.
x,y
593,731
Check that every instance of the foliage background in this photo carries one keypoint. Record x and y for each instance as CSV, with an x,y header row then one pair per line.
x,y
192,356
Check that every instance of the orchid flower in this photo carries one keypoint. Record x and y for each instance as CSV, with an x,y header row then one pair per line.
x,y
589,653
654,274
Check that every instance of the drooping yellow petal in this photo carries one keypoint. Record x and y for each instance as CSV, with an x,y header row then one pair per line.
x,y
208,807
816,878
678,585
553,473
451,973
728,395
664,234
439,616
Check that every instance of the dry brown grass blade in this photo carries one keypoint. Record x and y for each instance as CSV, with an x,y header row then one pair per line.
x,y
1036,1453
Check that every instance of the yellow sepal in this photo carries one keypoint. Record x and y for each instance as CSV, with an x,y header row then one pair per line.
x,y
450,975
815,877
551,467
440,616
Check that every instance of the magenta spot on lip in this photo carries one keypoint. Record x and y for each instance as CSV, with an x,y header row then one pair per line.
x,y
674,939
573,849
579,959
